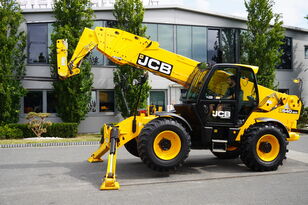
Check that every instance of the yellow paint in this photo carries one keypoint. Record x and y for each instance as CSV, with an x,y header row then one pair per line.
x,y
167,153
293,136
125,48
110,182
274,151
117,46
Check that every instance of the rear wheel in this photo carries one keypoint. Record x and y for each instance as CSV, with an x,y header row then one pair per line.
x,y
231,153
163,144
264,147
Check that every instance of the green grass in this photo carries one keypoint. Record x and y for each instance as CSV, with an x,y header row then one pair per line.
x,y
79,138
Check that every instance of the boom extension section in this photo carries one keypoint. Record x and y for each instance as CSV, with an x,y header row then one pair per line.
x,y
125,48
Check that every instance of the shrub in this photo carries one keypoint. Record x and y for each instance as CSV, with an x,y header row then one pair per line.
x,y
63,130
37,122
303,119
26,132
6,132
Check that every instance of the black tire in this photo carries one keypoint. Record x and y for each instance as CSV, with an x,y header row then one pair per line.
x,y
131,147
229,154
152,156
264,147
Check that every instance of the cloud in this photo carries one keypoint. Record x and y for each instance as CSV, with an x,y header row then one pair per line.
x,y
293,11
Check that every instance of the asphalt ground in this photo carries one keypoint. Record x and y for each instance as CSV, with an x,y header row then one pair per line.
x,y
61,175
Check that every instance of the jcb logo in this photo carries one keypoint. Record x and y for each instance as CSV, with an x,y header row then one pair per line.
x,y
154,64
222,114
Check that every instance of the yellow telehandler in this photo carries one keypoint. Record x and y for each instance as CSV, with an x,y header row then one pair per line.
x,y
224,109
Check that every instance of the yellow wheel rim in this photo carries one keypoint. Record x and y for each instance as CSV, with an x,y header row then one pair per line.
x,y
268,148
167,145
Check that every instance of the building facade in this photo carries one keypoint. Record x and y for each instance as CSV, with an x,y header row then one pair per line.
x,y
202,36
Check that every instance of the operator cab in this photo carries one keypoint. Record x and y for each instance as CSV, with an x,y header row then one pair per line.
x,y
221,97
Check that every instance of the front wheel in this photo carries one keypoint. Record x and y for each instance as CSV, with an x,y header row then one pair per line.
x,y
264,147
163,144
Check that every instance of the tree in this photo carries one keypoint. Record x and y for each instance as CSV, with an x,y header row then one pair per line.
x,y
262,41
129,15
73,94
12,61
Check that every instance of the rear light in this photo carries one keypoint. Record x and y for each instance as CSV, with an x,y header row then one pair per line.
x,y
142,112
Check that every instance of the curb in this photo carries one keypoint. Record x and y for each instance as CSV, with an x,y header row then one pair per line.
x,y
50,144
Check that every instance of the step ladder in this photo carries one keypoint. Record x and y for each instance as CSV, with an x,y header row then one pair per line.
x,y
219,145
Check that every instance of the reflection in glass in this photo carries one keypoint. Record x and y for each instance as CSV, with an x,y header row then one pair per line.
x,y
286,58
228,45
183,41
106,101
37,43
151,31
213,53
165,37
51,102
243,49
199,44
93,103
157,98
33,102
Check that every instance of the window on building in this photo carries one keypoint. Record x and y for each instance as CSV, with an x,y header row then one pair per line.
x,y
106,101
199,44
243,57
283,90
111,24
213,52
183,94
166,37
184,41
286,58
92,106
306,52
158,98
50,31
38,43
228,42
151,31
33,102
51,102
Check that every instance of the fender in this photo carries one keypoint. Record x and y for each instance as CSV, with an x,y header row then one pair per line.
x,y
265,119
175,116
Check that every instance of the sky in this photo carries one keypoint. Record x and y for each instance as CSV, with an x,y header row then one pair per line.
x,y
292,11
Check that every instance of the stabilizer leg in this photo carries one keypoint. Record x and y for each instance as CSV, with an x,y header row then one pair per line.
x,y
96,156
110,182
103,148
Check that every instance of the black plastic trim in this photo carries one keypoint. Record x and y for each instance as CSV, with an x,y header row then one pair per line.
x,y
174,115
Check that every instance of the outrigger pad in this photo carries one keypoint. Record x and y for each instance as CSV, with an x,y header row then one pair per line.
x,y
93,160
110,184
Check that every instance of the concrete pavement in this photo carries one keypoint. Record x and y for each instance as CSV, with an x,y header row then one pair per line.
x,y
61,175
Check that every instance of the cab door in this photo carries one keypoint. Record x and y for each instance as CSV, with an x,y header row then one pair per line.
x,y
218,101
228,97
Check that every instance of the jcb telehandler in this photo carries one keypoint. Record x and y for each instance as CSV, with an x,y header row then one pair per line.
x,y
224,110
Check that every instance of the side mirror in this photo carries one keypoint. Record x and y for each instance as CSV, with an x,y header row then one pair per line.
x,y
144,78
